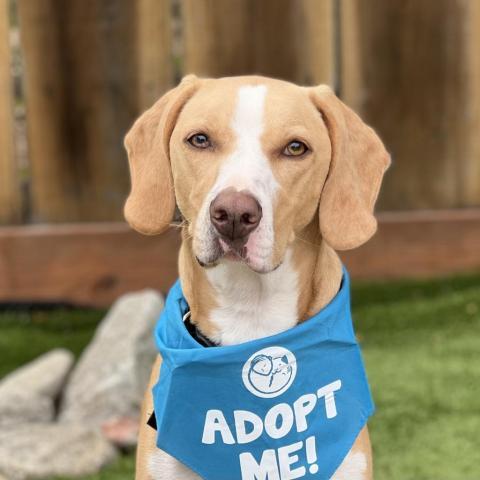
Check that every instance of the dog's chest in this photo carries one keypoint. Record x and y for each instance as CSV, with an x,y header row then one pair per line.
x,y
247,309
252,306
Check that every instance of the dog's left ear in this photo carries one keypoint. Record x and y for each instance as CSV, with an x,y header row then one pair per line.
x,y
151,204
358,163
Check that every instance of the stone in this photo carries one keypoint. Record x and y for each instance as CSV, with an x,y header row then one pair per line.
x,y
122,432
29,393
110,378
36,451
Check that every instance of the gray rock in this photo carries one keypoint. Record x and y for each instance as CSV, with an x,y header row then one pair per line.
x,y
110,378
49,450
28,394
122,432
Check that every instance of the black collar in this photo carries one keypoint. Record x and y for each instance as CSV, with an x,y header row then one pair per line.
x,y
196,333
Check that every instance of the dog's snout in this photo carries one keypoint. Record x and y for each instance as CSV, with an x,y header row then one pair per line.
x,y
235,214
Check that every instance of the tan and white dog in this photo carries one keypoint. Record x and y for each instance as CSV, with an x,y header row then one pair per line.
x,y
270,178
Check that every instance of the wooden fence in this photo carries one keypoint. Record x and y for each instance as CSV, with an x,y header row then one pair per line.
x,y
411,68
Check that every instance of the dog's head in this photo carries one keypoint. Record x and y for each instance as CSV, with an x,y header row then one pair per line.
x,y
250,162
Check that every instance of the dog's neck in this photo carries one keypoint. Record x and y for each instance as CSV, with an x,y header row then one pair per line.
x,y
231,304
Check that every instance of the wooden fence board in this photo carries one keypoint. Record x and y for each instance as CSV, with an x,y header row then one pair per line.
x,y
315,31
10,208
92,264
411,70
287,39
91,67
471,172
154,50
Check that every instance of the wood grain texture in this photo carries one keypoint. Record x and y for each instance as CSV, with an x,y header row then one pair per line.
x,y
91,67
419,244
315,36
87,264
10,202
154,50
81,90
92,264
411,69
471,170
287,39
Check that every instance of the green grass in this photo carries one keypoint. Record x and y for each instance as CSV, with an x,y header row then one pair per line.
x,y
26,334
421,342
421,345
122,469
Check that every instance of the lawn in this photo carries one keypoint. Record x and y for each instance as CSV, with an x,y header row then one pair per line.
x,y
421,342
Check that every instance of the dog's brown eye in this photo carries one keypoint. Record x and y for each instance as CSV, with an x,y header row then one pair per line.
x,y
295,149
199,140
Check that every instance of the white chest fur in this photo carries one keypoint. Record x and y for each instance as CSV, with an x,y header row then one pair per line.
x,y
250,305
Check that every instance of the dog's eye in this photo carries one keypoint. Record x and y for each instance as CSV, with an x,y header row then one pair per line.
x,y
199,140
295,149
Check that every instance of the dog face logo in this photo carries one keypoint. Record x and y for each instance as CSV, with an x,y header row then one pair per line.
x,y
269,372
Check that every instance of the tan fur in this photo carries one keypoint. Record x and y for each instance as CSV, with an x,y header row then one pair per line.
x,y
195,286
359,161
146,439
325,200
151,203
319,269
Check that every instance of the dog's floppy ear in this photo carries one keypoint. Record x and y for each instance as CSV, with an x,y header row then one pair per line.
x,y
151,204
358,163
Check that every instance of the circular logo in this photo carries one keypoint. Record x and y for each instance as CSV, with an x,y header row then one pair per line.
x,y
269,372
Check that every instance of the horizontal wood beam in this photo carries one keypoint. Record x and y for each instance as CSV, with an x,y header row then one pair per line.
x,y
92,264
86,264
417,244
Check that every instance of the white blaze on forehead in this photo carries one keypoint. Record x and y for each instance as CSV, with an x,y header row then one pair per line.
x,y
247,167
248,120
249,110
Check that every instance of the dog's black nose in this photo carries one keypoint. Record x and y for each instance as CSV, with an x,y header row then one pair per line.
x,y
235,214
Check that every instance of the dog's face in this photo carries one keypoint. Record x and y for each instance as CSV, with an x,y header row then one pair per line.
x,y
248,164
250,161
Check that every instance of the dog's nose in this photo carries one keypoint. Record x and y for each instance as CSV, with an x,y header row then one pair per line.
x,y
235,214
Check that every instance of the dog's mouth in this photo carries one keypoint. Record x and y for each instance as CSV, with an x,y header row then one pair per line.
x,y
238,251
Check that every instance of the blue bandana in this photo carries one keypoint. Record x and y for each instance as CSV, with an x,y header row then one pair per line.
x,y
283,407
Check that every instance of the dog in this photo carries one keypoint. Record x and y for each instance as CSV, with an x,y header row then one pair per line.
x,y
271,179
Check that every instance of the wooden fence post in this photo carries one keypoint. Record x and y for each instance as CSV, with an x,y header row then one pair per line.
x,y
471,170
288,39
9,183
411,69
87,78
316,42
154,50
